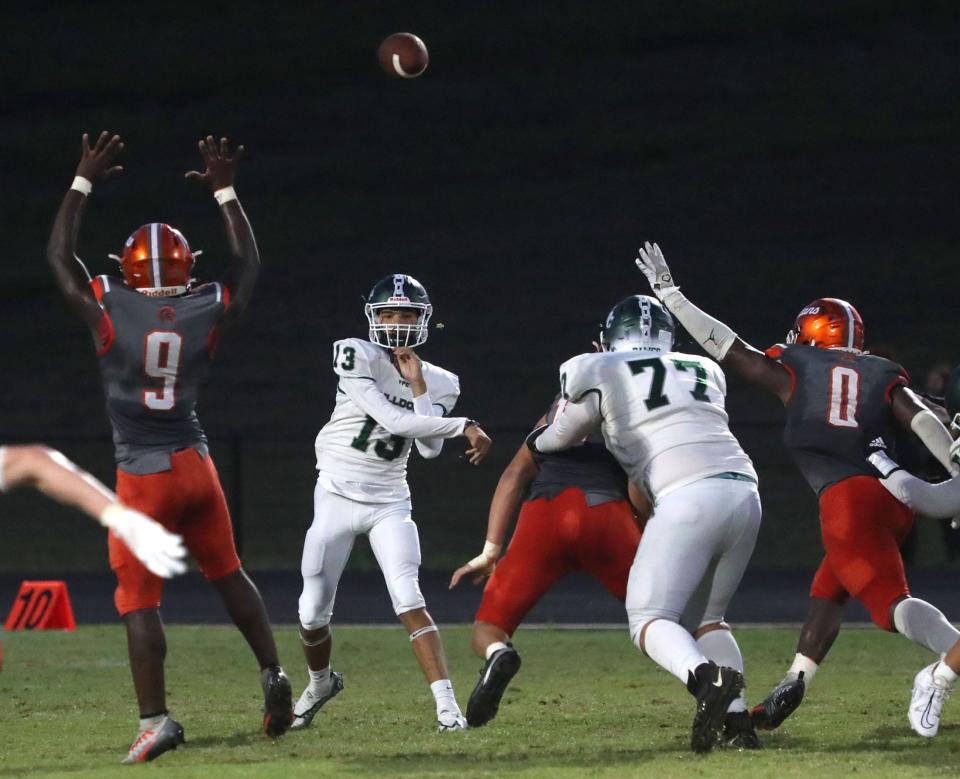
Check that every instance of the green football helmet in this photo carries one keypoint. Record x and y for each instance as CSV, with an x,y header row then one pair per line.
x,y
398,291
951,399
638,323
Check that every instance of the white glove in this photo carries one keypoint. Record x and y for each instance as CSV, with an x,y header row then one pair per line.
x,y
157,548
654,266
482,565
884,464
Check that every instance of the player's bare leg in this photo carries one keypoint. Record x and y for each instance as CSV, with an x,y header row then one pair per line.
x,y
820,629
426,644
324,683
502,662
248,613
147,648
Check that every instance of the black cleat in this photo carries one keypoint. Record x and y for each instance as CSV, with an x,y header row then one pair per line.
x,y
495,675
739,733
277,701
150,744
782,701
715,688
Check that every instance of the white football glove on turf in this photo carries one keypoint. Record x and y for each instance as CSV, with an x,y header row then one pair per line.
x,y
654,266
161,551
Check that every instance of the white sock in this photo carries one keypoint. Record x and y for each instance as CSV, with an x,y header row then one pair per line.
x,y
721,647
319,679
442,691
151,723
496,646
945,673
802,663
672,648
925,625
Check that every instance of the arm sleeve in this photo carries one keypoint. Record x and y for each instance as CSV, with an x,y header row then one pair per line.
x,y
713,335
935,437
938,501
572,423
370,399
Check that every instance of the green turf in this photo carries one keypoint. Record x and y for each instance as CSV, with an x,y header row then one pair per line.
x,y
585,704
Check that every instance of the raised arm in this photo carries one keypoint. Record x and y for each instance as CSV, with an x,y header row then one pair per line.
x,y
220,174
48,471
510,490
96,164
718,340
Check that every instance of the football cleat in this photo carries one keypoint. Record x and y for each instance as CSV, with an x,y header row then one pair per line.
x,y
310,704
152,743
715,688
926,703
450,721
738,731
782,701
277,701
495,675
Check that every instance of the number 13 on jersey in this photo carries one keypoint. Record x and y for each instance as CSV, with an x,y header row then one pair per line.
x,y
161,360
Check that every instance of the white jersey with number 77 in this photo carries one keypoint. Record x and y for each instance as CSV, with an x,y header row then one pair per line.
x,y
663,415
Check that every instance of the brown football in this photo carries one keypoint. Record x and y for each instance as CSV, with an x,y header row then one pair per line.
x,y
403,55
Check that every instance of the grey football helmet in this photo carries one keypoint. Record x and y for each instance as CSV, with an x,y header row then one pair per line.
x,y
638,323
398,291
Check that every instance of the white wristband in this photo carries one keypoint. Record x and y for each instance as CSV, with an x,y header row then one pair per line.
x,y
112,515
225,195
490,549
82,185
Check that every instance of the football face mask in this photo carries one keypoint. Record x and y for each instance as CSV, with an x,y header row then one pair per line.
x,y
398,312
638,323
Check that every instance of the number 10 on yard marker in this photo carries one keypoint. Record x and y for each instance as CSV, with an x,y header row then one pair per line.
x,y
41,606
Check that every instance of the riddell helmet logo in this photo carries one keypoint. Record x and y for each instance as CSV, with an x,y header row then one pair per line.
x,y
167,314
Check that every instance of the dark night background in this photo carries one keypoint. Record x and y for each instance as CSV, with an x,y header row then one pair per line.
x,y
777,151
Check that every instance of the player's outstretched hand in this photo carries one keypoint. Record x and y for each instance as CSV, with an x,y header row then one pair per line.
x,y
479,443
157,548
221,168
480,566
408,363
98,162
654,266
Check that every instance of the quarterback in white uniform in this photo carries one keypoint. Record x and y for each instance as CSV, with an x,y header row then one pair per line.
x,y
662,416
387,398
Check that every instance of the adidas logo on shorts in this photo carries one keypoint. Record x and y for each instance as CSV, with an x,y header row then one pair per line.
x,y
878,443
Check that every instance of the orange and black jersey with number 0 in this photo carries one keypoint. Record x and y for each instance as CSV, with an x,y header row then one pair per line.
x,y
839,403
154,353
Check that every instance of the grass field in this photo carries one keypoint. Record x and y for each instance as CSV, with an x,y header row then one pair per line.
x,y
584,704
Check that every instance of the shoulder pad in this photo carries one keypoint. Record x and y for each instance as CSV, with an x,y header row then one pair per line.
x,y
101,286
579,375
352,358
775,351
444,386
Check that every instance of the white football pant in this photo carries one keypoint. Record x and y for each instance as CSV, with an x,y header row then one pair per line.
x,y
326,548
692,555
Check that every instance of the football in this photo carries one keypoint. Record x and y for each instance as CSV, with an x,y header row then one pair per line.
x,y
403,55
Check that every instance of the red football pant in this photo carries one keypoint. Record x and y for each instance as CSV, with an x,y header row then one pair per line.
x,y
553,538
862,526
188,500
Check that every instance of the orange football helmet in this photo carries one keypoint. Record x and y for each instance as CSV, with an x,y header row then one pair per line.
x,y
157,260
829,323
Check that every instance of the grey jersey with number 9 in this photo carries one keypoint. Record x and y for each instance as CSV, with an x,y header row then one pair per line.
x,y
154,353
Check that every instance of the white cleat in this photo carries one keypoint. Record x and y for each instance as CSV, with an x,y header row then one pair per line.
x,y
450,721
310,703
926,703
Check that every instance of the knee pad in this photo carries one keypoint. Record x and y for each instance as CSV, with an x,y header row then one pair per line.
x,y
313,613
406,595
